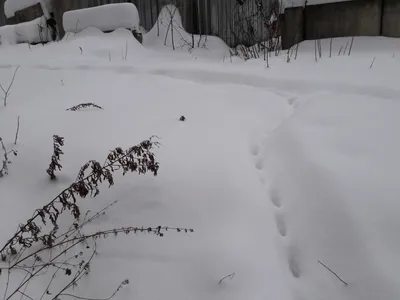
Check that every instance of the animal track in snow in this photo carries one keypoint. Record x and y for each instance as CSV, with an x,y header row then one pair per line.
x,y
275,198
255,150
280,224
259,164
292,100
293,262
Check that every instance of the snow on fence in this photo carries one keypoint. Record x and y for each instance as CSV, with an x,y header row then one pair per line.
x,y
34,31
106,18
12,6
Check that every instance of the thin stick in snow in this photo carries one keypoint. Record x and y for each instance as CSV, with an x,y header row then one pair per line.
x,y
315,50
7,92
126,50
319,48
372,63
16,134
345,48
230,276
76,27
351,45
297,50
337,276
330,48
340,50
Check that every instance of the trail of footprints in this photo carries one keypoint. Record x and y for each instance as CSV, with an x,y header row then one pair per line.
x,y
276,200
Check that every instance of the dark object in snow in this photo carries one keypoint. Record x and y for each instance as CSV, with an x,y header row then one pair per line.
x,y
182,119
84,105
58,142
138,35
52,24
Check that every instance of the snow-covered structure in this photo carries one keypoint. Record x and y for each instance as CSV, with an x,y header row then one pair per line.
x,y
106,18
31,32
13,6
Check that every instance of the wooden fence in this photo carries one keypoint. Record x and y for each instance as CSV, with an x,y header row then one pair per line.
x,y
235,21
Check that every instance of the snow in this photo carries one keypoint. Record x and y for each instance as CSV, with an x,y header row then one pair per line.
x,y
35,31
106,18
168,32
275,168
12,6
295,3
335,173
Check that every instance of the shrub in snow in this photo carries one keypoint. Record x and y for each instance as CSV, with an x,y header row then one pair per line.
x,y
32,32
63,258
58,142
6,161
106,18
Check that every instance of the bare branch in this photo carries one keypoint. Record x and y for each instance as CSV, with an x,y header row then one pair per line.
x,y
6,92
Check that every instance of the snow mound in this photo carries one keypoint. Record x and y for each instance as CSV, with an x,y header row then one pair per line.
x,y
335,177
34,31
12,6
106,18
169,32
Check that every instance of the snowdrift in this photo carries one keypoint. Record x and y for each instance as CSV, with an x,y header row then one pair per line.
x,y
34,31
106,18
169,31
335,177
12,6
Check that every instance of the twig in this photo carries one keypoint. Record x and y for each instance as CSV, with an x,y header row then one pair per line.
x,y
125,282
330,48
351,45
16,134
230,276
315,50
6,161
8,282
319,48
340,50
83,105
345,48
126,51
297,50
344,282
7,92
372,63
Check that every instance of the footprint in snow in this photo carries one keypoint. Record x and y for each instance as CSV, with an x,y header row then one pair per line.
x,y
280,224
255,150
293,262
275,198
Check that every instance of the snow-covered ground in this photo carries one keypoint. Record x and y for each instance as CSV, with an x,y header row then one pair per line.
x,y
275,168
